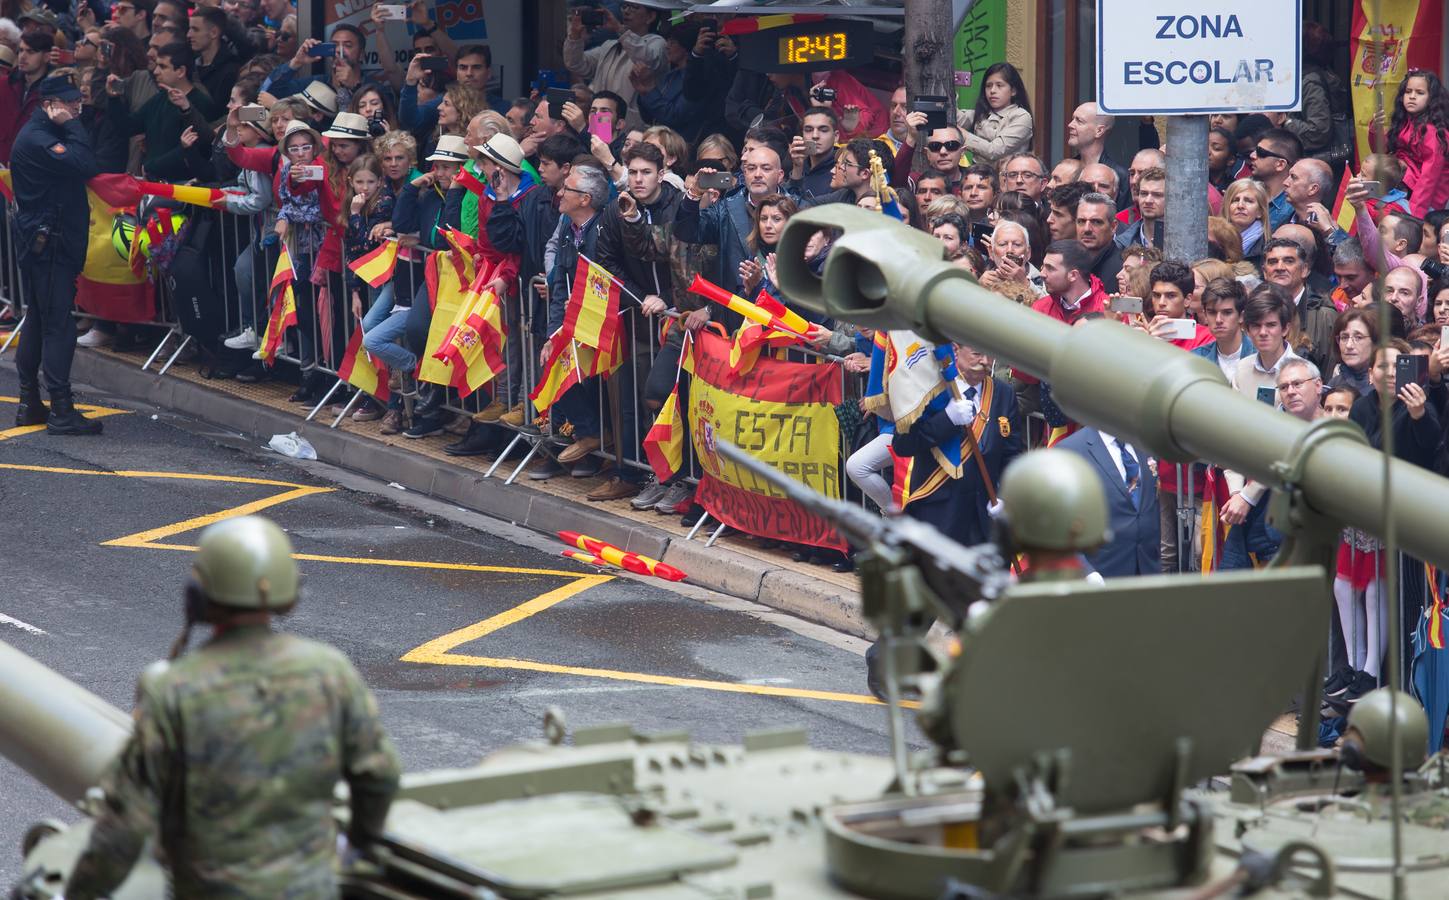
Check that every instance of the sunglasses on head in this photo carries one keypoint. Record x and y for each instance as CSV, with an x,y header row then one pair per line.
x,y
947,146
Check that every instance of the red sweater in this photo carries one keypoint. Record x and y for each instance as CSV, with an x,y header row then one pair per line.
x,y
1425,174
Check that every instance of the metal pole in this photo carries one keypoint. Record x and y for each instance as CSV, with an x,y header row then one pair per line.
x,y
1185,233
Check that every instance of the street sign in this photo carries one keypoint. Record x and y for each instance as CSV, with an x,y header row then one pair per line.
x,y
1198,56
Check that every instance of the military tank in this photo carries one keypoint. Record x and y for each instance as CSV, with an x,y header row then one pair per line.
x,y
1061,769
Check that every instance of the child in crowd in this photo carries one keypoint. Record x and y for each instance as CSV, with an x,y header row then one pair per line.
x,y
1419,137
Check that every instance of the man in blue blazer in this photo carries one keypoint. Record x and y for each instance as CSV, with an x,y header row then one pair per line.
x,y
1131,488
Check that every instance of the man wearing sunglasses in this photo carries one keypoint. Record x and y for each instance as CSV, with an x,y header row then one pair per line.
x,y
1274,154
942,155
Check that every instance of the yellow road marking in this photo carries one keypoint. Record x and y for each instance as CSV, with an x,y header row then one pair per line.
x,y
439,650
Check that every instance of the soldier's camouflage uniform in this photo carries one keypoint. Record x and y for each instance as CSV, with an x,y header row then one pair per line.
x,y
237,750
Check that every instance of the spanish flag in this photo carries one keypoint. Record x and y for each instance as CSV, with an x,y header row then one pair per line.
x,y
664,444
363,372
1343,212
463,253
560,373
284,309
473,344
592,316
6,188
788,320
376,267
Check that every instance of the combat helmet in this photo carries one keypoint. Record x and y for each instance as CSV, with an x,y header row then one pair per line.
x,y
1370,717
247,563
1052,500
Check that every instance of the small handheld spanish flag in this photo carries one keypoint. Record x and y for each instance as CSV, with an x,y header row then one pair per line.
x,y
376,267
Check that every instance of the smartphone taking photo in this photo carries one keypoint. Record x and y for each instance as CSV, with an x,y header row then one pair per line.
x,y
601,126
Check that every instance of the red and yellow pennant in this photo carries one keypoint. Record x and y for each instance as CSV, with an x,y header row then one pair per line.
x,y
6,188
360,370
592,316
470,182
753,337
284,308
463,253
376,266
1435,611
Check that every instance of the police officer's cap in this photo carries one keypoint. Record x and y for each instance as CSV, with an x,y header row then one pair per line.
x,y
59,87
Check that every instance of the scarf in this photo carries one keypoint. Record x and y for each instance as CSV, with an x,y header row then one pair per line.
x,y
1252,234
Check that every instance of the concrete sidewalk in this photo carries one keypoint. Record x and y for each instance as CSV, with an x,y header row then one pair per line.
x,y
735,565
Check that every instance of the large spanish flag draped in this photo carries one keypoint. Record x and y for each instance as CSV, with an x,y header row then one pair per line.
x,y
1406,36
447,292
783,413
376,267
473,344
108,288
592,316
284,308
360,370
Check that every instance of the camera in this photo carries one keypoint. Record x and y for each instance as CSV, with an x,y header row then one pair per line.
x,y
935,109
823,94
1435,270
591,18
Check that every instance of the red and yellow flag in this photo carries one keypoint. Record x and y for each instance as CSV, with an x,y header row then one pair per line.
x,y
473,344
560,373
119,189
463,253
1387,39
664,444
750,24
376,267
360,370
7,189
1435,610
284,309
592,316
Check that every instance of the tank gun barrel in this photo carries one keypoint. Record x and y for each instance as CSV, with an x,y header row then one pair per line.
x,y
882,274
53,728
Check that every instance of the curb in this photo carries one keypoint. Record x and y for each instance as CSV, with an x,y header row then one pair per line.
x,y
717,568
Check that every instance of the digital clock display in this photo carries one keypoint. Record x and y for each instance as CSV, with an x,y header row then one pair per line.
x,y
832,46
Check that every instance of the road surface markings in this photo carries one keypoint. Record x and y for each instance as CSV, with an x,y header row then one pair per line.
x,y
438,651
23,626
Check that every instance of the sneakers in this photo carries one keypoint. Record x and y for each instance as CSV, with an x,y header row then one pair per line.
x,y
677,497
1338,682
615,488
579,449
513,418
490,413
246,339
1363,682
548,470
425,426
93,338
587,467
653,492
371,411
392,423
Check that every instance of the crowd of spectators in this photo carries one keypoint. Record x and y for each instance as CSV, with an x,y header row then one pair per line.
x,y
665,160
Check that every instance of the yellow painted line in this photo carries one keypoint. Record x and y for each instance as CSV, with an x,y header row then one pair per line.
x,y
20,431
437,650
144,538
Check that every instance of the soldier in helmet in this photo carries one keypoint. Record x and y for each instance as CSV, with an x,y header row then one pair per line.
x,y
239,745
1053,511
1367,747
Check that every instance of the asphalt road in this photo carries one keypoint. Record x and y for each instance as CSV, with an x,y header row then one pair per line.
x,y
98,614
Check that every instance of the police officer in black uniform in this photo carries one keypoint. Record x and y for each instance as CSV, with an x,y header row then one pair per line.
x,y
49,166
